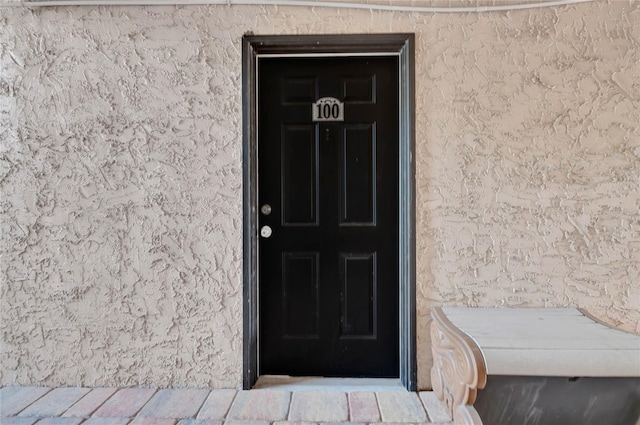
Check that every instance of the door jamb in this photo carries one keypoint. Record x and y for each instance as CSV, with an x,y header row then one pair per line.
x,y
339,45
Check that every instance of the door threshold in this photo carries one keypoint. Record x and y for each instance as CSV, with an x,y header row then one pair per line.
x,y
316,383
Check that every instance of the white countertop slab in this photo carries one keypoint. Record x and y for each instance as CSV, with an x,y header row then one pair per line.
x,y
548,342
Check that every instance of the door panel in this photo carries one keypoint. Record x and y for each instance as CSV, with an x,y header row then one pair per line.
x,y
328,273
359,296
358,188
299,174
300,284
299,90
360,89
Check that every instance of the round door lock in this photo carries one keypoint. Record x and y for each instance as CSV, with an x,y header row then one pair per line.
x,y
266,231
265,209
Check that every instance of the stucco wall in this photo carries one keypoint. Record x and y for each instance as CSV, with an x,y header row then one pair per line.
x,y
121,177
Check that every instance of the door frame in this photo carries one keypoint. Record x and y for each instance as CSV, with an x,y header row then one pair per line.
x,y
400,45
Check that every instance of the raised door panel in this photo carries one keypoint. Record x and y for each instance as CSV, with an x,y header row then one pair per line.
x,y
358,276
358,182
299,175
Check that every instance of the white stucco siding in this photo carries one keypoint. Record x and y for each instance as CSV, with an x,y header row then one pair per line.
x,y
121,177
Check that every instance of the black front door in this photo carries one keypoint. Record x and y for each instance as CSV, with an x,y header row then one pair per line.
x,y
328,217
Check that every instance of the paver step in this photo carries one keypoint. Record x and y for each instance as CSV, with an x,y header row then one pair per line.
x,y
146,406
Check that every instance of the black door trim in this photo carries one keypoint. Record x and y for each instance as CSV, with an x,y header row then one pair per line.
x,y
398,44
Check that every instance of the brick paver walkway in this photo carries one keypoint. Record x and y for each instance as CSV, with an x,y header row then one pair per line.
x,y
143,406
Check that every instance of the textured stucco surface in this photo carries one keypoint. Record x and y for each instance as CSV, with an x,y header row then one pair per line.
x,y
121,177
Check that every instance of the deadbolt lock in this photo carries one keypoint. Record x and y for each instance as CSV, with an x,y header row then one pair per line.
x,y
265,231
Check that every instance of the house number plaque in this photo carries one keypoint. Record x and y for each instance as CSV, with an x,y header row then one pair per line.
x,y
327,109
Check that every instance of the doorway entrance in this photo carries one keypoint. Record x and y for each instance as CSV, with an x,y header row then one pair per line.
x,y
328,207
328,197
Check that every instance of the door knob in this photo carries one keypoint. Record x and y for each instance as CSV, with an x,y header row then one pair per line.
x,y
266,231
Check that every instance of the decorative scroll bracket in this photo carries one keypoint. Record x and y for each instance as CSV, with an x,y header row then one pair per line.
x,y
458,371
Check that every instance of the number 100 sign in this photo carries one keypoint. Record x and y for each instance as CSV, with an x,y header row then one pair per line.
x,y
327,109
